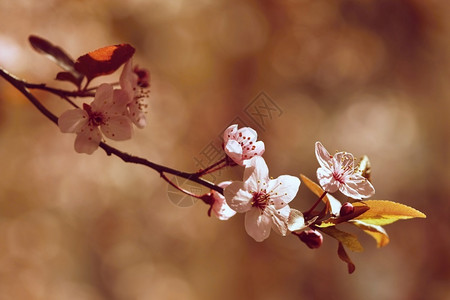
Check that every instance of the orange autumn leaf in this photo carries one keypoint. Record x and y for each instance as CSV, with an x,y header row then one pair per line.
x,y
104,61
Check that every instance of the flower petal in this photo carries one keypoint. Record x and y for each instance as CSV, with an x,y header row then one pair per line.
x,y
229,133
128,79
87,141
118,128
279,218
258,149
136,112
246,135
71,121
103,97
220,207
323,156
256,174
118,104
327,181
234,150
238,198
296,221
283,190
257,225
335,205
345,161
358,187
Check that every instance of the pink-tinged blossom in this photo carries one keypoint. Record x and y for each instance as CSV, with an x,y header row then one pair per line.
x,y
241,145
105,115
263,200
338,173
220,207
133,83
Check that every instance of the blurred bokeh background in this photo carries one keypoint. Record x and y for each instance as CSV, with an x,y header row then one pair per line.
x,y
369,77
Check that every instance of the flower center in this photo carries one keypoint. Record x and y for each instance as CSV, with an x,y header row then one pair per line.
x,y
139,98
340,173
339,176
95,118
260,199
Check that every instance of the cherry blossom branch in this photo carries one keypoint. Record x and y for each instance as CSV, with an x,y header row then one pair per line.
x,y
163,176
214,167
23,87
58,92
306,214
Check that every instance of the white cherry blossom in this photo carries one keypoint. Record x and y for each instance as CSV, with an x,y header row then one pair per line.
x,y
263,200
137,96
241,145
220,207
105,115
338,173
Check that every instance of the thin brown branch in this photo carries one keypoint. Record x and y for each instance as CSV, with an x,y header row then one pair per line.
x,y
58,92
163,176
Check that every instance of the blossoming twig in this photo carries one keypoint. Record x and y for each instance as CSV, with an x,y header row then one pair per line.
x,y
214,167
58,92
307,213
264,200
21,86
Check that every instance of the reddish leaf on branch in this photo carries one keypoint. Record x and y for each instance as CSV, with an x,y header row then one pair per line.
x,y
104,61
344,256
52,52
59,56
68,76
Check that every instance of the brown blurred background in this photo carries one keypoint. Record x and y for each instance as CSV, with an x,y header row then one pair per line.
x,y
369,77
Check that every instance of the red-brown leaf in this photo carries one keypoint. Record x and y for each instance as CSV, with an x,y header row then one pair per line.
x,y
344,256
104,61
59,56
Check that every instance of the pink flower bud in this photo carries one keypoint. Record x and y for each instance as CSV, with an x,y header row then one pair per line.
x,y
143,77
312,238
346,209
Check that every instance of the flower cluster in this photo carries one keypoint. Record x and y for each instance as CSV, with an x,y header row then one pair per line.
x,y
265,201
111,113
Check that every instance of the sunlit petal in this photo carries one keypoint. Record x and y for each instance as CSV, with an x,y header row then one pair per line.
x,y
283,190
237,198
87,141
118,128
257,224
71,121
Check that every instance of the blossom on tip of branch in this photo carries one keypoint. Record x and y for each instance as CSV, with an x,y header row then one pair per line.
x,y
220,207
338,173
105,115
133,83
241,145
263,200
